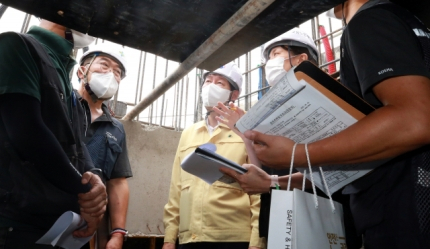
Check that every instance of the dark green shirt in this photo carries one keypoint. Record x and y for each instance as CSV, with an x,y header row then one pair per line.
x,y
18,70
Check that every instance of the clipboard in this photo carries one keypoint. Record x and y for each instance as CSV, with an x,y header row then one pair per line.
x,y
334,90
205,164
307,105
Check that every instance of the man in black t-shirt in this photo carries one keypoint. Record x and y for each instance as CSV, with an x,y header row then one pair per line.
x,y
384,59
390,206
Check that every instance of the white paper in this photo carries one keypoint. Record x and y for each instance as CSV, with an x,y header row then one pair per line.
x,y
61,233
287,87
304,115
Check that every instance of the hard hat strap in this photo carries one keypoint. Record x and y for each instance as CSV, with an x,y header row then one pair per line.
x,y
289,56
86,83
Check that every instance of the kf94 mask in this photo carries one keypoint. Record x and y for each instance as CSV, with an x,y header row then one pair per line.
x,y
212,94
81,40
103,85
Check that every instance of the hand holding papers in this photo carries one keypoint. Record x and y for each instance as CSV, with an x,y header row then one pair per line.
x,y
205,163
61,233
307,105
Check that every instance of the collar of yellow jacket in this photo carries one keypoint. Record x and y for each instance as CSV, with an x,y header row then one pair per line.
x,y
202,124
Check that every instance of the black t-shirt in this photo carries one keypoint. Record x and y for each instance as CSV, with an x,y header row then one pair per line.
x,y
377,44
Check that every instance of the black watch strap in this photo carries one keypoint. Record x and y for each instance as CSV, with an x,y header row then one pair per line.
x,y
98,172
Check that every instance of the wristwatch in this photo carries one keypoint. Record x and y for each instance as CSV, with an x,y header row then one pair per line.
x,y
274,181
99,172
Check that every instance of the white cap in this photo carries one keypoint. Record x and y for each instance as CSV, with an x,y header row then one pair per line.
x,y
231,72
114,51
295,37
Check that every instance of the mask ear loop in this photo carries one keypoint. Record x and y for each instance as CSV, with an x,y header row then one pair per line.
x,y
343,14
289,56
231,93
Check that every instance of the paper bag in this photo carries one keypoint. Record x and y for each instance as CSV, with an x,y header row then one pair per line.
x,y
280,220
299,220
317,227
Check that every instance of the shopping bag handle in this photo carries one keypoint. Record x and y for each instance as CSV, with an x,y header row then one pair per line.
x,y
304,180
324,181
291,166
333,209
311,176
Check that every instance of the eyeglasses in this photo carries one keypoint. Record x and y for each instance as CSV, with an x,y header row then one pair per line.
x,y
106,68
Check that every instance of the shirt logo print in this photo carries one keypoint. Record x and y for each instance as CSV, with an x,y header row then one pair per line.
x,y
109,135
385,71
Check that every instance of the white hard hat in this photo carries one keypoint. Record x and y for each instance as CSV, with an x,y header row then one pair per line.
x,y
295,37
231,72
114,51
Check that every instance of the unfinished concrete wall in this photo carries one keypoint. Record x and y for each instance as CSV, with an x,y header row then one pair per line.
x,y
151,152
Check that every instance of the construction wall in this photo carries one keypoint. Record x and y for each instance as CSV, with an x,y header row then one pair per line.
x,y
151,152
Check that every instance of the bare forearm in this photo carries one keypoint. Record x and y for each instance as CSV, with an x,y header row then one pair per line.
x,y
382,134
401,125
118,193
296,181
251,153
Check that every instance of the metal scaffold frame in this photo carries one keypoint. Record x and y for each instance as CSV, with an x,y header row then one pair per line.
x,y
184,107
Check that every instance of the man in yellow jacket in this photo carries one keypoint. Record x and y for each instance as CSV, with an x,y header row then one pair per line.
x,y
219,215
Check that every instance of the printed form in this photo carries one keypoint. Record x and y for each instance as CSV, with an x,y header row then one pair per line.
x,y
297,110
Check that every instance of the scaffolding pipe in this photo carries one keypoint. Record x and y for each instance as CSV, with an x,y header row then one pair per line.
x,y
138,77
3,9
249,77
180,105
233,25
25,24
164,96
165,113
141,81
199,99
186,101
153,86
246,82
196,102
176,104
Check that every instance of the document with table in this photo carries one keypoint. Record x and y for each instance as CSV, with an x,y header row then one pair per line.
x,y
307,105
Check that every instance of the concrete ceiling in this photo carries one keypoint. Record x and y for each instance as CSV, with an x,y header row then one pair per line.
x,y
173,29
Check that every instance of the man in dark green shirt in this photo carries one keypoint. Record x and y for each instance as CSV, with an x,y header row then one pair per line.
x,y
45,169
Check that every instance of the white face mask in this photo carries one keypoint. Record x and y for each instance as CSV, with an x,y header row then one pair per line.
x,y
212,94
81,40
330,13
275,69
103,85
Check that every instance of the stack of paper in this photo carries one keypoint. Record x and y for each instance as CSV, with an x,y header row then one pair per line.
x,y
307,105
61,233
